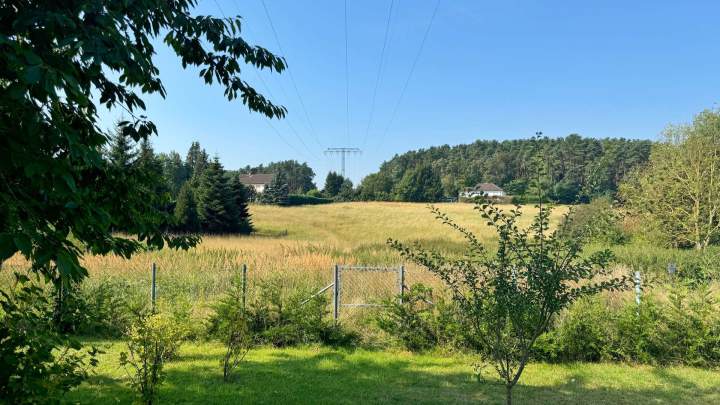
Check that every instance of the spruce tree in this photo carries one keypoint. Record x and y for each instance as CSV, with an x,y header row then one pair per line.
x,y
277,191
196,161
333,182
121,151
186,215
216,207
240,196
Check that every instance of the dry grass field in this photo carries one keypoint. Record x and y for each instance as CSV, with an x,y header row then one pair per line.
x,y
297,245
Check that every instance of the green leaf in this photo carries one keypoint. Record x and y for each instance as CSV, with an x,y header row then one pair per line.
x,y
23,244
33,74
7,246
70,182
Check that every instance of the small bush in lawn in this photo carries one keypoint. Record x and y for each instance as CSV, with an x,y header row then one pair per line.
x,y
285,318
583,333
37,363
152,340
421,321
229,324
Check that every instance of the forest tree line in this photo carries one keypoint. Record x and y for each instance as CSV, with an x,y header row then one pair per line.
x,y
196,191
574,169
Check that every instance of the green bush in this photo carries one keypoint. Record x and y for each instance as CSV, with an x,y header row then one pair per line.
x,y
581,334
230,324
596,221
282,317
301,199
37,364
153,339
684,329
421,321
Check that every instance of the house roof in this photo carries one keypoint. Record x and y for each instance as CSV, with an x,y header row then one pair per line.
x,y
257,178
487,187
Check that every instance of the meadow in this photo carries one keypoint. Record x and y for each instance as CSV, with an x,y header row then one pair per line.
x,y
298,247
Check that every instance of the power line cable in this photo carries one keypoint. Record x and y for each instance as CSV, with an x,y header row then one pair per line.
x,y
292,78
379,71
412,70
270,93
347,78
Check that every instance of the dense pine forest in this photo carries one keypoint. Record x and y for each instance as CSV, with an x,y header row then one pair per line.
x,y
572,169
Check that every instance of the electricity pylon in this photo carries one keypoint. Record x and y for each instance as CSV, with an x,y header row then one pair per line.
x,y
342,152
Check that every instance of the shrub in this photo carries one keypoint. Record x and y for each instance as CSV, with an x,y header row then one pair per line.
x,y
684,329
421,321
582,334
230,325
37,364
152,340
597,221
284,319
300,199
103,310
281,318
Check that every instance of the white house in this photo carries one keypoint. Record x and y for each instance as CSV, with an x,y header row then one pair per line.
x,y
258,181
483,189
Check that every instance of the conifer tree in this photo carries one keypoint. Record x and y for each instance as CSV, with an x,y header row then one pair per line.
x,y
216,207
333,182
240,196
196,161
121,151
277,191
186,215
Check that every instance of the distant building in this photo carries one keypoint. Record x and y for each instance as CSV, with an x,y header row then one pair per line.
x,y
258,181
483,189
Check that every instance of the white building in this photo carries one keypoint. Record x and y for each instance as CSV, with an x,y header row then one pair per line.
x,y
483,189
258,181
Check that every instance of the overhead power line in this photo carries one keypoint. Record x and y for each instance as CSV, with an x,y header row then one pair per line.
x,y
342,152
379,71
412,70
347,78
274,129
292,78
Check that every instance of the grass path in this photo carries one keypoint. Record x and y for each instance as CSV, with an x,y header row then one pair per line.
x,y
315,375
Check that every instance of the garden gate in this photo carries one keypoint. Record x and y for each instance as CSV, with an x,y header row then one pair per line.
x,y
359,286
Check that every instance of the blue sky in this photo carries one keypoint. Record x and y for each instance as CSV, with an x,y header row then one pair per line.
x,y
488,70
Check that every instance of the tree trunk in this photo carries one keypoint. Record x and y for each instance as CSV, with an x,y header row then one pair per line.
x,y
508,394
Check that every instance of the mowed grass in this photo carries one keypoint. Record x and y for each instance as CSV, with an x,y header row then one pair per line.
x,y
317,375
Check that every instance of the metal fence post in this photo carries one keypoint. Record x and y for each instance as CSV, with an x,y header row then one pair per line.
x,y
336,293
152,288
401,282
244,284
638,287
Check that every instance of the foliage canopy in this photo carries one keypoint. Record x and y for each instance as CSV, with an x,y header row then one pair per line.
x,y
61,61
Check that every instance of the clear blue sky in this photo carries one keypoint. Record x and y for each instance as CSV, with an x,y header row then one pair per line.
x,y
488,70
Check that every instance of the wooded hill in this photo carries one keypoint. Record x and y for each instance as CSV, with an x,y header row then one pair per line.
x,y
570,169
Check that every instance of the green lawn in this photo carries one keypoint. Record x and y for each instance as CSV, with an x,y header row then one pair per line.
x,y
322,375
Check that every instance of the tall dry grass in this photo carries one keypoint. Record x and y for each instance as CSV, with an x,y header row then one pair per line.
x,y
296,246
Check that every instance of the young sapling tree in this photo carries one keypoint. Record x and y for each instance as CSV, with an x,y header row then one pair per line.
x,y
507,298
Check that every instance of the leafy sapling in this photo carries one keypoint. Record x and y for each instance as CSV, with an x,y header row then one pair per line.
x,y
507,298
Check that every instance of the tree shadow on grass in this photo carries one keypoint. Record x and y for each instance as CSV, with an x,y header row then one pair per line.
x,y
333,377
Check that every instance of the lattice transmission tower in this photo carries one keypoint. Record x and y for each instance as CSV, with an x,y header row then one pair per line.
x,y
342,152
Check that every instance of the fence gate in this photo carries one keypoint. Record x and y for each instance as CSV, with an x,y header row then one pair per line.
x,y
363,286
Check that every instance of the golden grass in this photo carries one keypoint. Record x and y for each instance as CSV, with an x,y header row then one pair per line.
x,y
298,245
